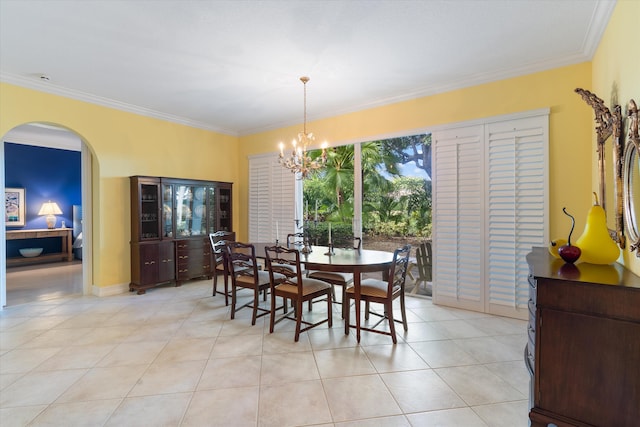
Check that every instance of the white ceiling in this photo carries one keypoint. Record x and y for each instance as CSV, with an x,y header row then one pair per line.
x,y
233,66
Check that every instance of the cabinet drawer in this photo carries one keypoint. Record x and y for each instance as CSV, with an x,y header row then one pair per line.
x,y
182,273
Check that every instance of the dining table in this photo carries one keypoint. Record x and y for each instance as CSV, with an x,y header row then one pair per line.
x,y
355,261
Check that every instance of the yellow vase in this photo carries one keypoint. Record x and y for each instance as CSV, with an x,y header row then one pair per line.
x,y
596,244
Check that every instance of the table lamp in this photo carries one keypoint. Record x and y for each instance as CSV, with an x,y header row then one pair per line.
x,y
50,209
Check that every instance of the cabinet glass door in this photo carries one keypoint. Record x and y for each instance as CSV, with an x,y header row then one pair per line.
x,y
167,210
213,210
149,225
191,210
224,197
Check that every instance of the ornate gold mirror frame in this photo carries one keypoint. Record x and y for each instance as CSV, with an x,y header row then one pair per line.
x,y
609,124
632,179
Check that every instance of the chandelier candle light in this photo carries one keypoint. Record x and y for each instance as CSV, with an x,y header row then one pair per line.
x,y
299,160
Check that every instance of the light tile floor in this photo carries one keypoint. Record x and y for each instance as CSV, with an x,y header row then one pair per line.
x,y
173,357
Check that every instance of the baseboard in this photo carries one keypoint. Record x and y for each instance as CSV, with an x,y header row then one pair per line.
x,y
107,291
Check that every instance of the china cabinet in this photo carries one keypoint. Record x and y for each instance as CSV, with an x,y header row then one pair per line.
x,y
170,223
584,343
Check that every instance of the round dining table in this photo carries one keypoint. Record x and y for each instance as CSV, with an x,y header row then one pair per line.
x,y
344,261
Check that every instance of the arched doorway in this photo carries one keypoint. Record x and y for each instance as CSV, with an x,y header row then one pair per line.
x,y
53,138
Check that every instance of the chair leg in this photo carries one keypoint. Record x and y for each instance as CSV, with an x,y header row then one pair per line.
x,y
226,289
366,310
298,319
388,308
403,312
233,302
215,282
346,313
256,300
272,317
330,310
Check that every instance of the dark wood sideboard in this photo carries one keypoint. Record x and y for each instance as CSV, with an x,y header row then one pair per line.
x,y
584,343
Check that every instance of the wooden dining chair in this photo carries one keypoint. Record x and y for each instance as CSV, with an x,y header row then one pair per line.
x,y
383,292
218,242
424,261
338,278
244,271
294,238
287,281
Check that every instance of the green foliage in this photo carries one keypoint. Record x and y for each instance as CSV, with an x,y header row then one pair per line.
x,y
392,205
341,234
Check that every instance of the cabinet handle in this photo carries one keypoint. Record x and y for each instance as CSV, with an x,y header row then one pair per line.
x,y
152,262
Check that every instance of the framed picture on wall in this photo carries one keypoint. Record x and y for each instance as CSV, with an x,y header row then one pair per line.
x,y
14,207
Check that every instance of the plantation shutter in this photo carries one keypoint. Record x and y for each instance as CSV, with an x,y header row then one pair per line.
x,y
516,210
490,207
271,199
457,220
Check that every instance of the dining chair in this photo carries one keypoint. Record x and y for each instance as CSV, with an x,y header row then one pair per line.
x,y
383,292
294,238
218,242
244,271
338,278
287,281
424,259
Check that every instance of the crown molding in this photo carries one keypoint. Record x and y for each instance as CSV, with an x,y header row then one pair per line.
x,y
599,21
429,90
48,87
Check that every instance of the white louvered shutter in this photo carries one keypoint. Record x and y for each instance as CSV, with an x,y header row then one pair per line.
x,y
271,199
490,207
283,199
516,209
457,217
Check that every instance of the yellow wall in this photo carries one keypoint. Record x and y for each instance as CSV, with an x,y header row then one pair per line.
x,y
123,144
570,126
616,77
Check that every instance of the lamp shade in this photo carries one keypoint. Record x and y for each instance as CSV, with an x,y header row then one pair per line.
x,y
50,208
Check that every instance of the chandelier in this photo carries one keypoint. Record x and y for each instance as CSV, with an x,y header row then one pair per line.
x,y
299,161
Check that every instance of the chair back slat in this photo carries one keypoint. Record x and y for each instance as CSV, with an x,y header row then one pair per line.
x,y
398,270
241,258
294,238
285,261
218,242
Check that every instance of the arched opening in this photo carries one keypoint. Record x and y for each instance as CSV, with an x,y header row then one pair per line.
x,y
53,141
